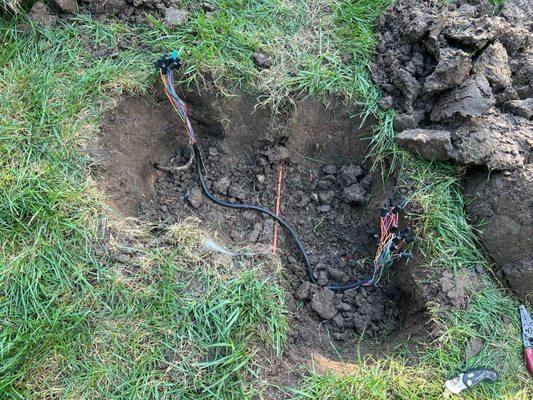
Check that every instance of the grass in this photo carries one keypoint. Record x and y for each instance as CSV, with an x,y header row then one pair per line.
x,y
75,324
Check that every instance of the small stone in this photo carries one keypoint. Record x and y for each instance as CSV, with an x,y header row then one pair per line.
x,y
322,304
386,102
175,17
65,6
256,231
221,186
326,197
195,198
305,200
354,194
344,307
260,178
261,60
329,169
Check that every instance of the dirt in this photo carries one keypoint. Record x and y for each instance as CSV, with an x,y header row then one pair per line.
x,y
459,76
328,196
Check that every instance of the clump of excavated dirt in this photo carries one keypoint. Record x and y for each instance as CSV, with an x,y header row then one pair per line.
x,y
461,80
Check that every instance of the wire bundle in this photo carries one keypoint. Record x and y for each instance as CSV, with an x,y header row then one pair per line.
x,y
391,240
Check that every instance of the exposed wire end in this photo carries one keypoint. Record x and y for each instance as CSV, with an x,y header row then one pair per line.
x,y
168,62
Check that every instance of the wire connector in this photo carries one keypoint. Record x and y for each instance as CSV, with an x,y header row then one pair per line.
x,y
168,62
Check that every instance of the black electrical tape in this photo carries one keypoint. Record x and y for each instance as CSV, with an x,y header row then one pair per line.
x,y
301,248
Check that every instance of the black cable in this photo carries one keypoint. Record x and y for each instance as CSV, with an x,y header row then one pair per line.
x,y
210,196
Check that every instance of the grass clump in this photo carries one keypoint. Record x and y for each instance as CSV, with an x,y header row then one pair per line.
x,y
71,326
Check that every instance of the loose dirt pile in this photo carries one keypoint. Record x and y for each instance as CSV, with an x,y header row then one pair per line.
x,y
461,80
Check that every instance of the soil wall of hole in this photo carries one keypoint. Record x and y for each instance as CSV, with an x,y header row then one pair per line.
x,y
328,195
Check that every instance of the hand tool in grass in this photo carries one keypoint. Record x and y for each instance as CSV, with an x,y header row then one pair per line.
x,y
527,337
469,379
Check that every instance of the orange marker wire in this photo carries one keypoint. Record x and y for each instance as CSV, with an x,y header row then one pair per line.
x,y
278,202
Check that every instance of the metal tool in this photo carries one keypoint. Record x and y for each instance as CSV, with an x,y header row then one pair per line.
x,y
527,337
470,378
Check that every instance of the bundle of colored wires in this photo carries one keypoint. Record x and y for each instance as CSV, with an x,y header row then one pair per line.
x,y
391,240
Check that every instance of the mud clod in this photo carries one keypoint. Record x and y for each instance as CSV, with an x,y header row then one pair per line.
x,y
431,144
323,304
472,99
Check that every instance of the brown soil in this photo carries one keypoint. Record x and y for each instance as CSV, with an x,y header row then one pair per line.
x,y
328,196
460,78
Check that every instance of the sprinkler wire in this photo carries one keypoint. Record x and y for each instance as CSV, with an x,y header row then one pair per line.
x,y
391,241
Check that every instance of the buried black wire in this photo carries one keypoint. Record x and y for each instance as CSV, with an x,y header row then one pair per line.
x,y
200,168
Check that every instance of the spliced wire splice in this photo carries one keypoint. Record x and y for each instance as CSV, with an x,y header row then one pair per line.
x,y
391,242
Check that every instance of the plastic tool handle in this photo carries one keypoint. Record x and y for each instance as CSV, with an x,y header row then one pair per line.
x,y
529,360
472,377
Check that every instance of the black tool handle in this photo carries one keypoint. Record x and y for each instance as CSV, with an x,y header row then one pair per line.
x,y
474,376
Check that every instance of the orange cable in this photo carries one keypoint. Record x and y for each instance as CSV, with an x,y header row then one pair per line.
x,y
278,202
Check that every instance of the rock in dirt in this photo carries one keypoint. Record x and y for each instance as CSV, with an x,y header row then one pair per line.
x,y
42,14
472,99
323,304
64,6
520,108
175,17
354,194
261,60
195,198
501,208
431,144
